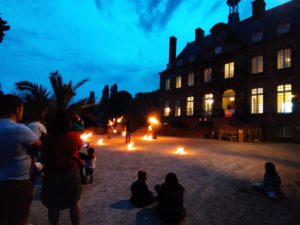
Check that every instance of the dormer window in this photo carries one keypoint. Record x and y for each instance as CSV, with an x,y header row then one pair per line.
x,y
283,28
256,37
167,84
178,82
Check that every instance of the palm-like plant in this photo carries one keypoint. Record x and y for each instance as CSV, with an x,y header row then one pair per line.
x,y
63,93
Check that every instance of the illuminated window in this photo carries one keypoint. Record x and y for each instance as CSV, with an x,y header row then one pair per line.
x,y
284,98
257,101
228,100
178,82
208,104
177,108
190,106
167,109
256,37
191,79
257,64
207,75
229,70
167,84
284,58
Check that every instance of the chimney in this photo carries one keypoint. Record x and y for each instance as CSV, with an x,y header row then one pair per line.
x,y
258,8
172,49
199,34
234,18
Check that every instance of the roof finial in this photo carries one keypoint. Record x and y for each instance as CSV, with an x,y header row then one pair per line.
x,y
233,6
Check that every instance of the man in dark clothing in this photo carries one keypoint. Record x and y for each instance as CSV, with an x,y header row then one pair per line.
x,y
140,195
127,129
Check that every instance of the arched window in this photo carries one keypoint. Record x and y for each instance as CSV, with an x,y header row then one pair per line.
x,y
229,100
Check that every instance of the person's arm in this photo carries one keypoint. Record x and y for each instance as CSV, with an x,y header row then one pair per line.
x,y
27,136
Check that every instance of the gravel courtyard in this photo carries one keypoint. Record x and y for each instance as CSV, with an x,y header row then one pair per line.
x,y
216,176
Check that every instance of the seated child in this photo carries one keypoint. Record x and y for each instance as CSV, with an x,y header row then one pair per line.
x,y
90,164
270,184
140,195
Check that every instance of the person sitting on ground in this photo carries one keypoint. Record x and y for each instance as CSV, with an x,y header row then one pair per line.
x,y
271,183
140,195
170,199
90,164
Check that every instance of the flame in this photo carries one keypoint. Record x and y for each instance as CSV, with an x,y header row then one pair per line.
x,y
180,151
124,133
153,120
150,127
110,123
147,138
86,136
130,146
100,142
119,120
115,131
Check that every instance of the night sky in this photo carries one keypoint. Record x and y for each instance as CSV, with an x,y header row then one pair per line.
x,y
108,41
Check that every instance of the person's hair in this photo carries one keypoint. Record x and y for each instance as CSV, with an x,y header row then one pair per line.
x,y
9,104
91,151
142,175
270,168
60,123
171,179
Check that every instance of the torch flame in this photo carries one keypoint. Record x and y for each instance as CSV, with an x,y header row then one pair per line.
x,y
147,138
100,142
119,120
86,136
124,133
153,120
115,131
150,128
130,146
180,151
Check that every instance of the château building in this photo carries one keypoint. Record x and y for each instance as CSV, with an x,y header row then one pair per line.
x,y
240,81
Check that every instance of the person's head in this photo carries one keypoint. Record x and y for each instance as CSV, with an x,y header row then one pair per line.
x,y
171,179
60,123
142,175
270,168
11,106
91,151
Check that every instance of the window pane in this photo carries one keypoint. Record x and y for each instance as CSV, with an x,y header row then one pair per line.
x,y
178,82
191,79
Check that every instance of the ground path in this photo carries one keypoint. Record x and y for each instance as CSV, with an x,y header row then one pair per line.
x,y
215,174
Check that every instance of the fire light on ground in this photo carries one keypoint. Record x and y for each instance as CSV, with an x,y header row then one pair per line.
x,y
130,146
124,133
100,142
86,136
147,138
180,151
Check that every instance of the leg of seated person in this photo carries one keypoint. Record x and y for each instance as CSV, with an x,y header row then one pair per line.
x,y
75,214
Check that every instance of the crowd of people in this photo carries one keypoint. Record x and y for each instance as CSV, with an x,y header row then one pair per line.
x,y
57,149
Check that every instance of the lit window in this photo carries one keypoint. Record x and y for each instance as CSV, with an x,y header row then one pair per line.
x,y
256,37
177,108
207,75
284,58
190,106
284,98
167,84
167,109
257,64
208,104
257,101
283,28
229,70
191,79
284,131
178,82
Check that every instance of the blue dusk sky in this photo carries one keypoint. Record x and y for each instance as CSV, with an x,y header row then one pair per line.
x,y
108,41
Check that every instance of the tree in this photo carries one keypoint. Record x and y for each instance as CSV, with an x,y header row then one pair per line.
x,y
113,90
3,27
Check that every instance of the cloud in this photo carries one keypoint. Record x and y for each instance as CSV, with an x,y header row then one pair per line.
x,y
217,4
156,13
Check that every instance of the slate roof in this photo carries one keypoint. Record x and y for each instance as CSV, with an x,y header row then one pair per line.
x,y
239,35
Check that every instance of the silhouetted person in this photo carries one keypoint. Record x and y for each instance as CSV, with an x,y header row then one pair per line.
x,y
170,199
16,189
140,195
61,182
127,129
271,183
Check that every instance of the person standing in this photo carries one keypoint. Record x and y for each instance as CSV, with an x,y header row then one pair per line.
x,y
16,189
61,183
127,129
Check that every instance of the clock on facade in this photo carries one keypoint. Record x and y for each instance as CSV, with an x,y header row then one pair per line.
x,y
218,50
